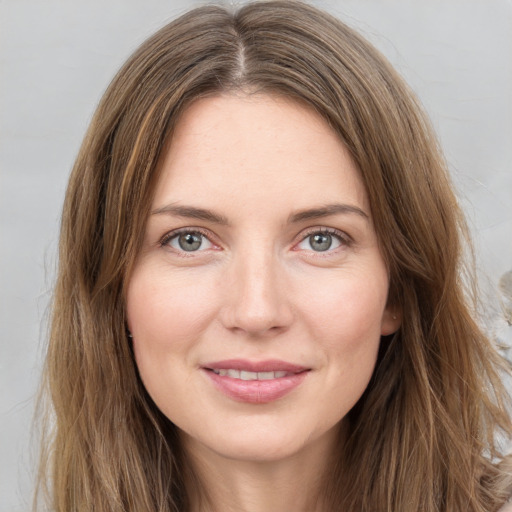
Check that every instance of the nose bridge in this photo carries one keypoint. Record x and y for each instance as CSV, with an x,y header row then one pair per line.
x,y
257,301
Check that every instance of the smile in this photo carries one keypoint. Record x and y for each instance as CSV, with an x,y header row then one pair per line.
x,y
255,382
245,375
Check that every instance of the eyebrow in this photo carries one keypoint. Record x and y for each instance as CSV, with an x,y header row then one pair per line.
x,y
191,212
326,211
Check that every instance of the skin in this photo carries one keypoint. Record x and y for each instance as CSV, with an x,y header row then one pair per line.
x,y
257,288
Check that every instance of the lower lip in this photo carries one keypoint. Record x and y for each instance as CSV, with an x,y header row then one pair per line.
x,y
256,391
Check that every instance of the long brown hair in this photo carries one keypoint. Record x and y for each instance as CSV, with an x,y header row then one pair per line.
x,y
423,436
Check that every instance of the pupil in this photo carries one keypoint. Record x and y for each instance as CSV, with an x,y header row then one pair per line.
x,y
190,241
320,241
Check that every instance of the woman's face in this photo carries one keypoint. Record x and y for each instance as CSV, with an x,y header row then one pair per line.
x,y
259,298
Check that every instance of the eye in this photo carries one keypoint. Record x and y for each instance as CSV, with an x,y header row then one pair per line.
x,y
187,241
322,241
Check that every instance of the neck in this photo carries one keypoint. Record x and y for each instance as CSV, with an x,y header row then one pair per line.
x,y
219,484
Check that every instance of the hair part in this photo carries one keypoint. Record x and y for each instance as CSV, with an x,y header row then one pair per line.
x,y
423,435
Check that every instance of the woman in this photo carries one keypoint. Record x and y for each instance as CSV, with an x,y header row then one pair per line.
x,y
260,303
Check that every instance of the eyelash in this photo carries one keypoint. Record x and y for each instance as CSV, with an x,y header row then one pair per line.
x,y
344,239
164,241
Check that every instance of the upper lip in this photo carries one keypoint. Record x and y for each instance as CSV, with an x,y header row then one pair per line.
x,y
269,365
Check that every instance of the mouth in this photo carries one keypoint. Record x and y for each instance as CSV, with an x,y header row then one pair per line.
x,y
255,382
246,375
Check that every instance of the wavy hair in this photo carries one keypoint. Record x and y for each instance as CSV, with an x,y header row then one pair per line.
x,y
423,435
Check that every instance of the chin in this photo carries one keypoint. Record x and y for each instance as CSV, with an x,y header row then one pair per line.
x,y
259,442
270,450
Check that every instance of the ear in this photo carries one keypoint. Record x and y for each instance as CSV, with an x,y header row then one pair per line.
x,y
391,320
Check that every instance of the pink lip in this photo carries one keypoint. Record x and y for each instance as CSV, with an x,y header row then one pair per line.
x,y
256,391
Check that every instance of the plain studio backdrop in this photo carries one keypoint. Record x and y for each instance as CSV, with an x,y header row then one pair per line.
x,y
56,59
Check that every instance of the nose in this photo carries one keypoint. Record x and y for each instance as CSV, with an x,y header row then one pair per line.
x,y
257,302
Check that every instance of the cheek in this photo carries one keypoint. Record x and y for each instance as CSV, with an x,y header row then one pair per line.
x,y
345,320
349,308
167,316
162,308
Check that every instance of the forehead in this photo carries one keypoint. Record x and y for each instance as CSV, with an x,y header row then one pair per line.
x,y
260,149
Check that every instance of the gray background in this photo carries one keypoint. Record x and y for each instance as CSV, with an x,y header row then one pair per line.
x,y
57,57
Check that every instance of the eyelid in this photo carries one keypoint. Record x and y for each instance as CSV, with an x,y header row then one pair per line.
x,y
345,239
164,240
